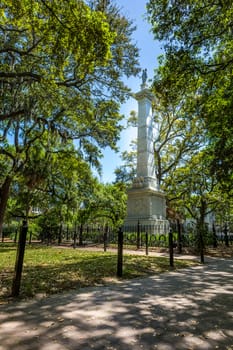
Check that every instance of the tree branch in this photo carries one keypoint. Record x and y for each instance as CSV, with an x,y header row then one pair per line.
x,y
11,115
20,75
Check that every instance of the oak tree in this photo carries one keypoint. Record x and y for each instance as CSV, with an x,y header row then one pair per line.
x,y
197,67
61,70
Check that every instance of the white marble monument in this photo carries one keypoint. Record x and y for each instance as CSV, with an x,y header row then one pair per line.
x,y
146,202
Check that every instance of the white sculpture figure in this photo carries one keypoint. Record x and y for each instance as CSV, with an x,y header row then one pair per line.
x,y
144,76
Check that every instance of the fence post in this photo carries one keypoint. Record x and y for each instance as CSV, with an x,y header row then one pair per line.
x,y
19,260
147,245
81,235
171,255
105,237
120,253
138,235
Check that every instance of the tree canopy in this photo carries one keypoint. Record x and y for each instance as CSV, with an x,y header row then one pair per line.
x,y
197,67
61,70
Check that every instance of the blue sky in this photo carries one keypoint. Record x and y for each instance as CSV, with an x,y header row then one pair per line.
x,y
149,51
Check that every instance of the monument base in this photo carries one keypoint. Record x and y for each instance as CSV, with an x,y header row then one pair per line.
x,y
147,207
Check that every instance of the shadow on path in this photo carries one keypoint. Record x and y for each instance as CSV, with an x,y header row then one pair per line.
x,y
188,309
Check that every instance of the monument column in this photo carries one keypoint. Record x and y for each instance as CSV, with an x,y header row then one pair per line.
x,y
146,203
145,140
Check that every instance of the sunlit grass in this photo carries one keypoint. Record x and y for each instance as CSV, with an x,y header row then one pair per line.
x,y
50,270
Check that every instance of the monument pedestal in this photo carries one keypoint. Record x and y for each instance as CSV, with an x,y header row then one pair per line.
x,y
145,205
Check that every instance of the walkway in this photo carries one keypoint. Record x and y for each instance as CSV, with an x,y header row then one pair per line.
x,y
189,309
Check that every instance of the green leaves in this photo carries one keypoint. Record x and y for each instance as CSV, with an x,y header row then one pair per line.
x,y
197,67
61,69
192,184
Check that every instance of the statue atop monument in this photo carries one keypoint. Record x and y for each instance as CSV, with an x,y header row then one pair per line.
x,y
144,77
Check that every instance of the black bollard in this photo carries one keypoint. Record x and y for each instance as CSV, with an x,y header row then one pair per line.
x,y
138,235
105,238
171,253
19,260
120,253
147,244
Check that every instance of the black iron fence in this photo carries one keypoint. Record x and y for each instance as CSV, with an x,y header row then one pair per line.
x,y
138,236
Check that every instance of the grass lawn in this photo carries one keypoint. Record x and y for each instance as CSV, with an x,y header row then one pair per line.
x,y
49,270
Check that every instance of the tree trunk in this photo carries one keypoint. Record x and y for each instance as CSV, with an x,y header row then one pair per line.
x,y
60,234
201,245
4,195
225,231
